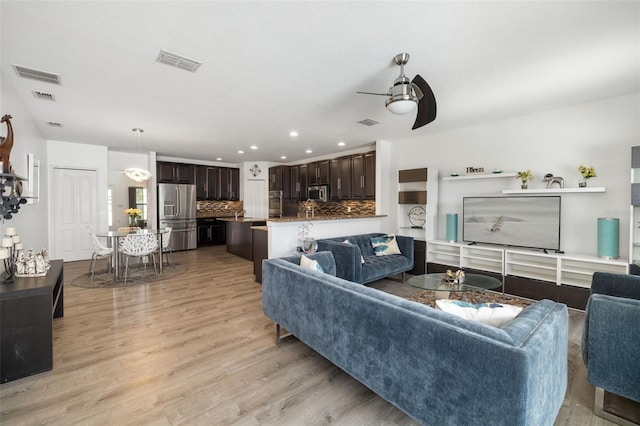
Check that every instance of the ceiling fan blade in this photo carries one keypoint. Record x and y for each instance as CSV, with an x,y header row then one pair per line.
x,y
377,94
426,105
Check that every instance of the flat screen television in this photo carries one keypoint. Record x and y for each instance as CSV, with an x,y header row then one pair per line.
x,y
532,222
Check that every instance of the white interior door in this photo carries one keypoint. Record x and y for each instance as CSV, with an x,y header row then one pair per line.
x,y
256,198
74,213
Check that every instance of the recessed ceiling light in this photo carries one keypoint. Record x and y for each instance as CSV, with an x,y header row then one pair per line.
x,y
254,147
283,157
240,152
218,159
293,133
341,143
308,151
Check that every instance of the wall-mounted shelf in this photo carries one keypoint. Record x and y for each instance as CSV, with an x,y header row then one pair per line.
x,y
554,190
481,176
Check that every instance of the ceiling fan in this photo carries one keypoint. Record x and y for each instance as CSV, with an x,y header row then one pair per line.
x,y
406,94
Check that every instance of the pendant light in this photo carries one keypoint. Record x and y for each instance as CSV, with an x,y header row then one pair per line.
x,y
139,174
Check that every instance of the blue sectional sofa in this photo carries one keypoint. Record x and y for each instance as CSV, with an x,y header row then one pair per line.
x,y
349,256
611,337
438,368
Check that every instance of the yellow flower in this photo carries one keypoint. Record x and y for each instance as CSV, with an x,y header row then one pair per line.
x,y
525,176
587,172
133,212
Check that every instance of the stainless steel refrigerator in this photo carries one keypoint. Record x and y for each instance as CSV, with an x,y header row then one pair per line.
x,y
177,209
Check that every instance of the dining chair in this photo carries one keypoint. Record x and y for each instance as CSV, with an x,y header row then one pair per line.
x,y
99,251
166,250
141,246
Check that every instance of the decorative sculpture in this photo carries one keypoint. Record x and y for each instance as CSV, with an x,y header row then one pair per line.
x,y
6,144
551,179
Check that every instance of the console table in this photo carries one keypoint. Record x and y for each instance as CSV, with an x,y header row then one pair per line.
x,y
27,309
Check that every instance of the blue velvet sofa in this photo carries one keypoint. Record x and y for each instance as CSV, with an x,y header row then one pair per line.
x,y
611,337
436,367
349,256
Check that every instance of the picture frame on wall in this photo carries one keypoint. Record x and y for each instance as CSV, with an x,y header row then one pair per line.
x,y
33,182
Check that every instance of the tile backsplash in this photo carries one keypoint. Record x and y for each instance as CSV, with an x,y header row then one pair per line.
x,y
206,208
339,208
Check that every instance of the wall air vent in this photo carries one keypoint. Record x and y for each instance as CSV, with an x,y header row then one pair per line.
x,y
178,61
43,95
47,77
54,124
368,122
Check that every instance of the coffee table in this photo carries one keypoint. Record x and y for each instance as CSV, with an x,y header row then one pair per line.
x,y
472,282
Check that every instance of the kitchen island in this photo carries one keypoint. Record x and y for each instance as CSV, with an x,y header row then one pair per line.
x,y
283,233
239,235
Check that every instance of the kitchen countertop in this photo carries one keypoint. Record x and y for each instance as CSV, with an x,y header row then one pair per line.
x,y
259,228
243,219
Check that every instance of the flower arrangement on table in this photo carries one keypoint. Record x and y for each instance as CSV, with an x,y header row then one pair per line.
x,y
525,177
134,215
586,172
451,277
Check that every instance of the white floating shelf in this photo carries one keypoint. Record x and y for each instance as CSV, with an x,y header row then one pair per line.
x,y
554,190
481,176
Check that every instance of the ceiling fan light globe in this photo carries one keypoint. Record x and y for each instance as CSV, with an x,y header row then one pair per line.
x,y
401,106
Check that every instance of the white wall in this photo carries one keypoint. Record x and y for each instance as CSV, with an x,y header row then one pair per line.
x,y
28,221
558,141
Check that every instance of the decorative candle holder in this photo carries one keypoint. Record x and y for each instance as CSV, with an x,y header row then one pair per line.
x,y
11,247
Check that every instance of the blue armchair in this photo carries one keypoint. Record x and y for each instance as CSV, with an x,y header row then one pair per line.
x,y
611,338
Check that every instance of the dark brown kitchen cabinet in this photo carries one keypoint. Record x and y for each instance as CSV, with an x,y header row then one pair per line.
x,y
340,174
319,172
175,172
299,182
229,184
211,232
363,176
279,180
208,182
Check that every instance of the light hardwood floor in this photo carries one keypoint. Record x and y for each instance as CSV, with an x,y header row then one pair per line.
x,y
197,349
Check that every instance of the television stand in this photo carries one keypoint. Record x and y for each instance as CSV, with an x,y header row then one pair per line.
x,y
527,273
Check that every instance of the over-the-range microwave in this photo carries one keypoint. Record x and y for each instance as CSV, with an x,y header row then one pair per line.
x,y
318,192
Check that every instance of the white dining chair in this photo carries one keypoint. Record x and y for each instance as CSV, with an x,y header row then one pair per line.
x,y
166,250
141,246
99,251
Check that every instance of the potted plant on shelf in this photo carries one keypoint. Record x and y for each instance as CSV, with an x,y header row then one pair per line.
x,y
586,172
525,177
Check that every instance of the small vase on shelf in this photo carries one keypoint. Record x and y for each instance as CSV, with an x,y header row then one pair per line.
x,y
524,185
582,183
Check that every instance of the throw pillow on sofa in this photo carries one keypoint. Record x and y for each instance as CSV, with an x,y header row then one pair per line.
x,y
311,264
495,314
385,245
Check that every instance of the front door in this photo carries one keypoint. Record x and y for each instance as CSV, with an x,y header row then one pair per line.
x,y
74,213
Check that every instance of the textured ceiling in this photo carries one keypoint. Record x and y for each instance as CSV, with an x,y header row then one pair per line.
x,y
270,67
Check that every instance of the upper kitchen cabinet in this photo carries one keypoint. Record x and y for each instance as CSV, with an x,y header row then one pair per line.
x,y
363,174
299,182
175,172
229,184
279,180
319,172
340,174
208,183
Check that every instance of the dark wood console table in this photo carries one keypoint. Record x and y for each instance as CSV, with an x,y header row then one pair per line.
x,y
27,309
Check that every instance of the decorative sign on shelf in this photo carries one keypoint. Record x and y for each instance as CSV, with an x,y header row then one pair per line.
x,y
475,169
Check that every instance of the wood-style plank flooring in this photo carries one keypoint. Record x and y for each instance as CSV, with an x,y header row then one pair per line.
x,y
197,349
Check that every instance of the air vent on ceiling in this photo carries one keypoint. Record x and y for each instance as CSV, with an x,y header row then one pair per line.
x,y
37,74
54,124
178,61
368,122
43,95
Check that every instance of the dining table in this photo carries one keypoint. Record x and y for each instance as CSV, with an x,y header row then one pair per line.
x,y
113,240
